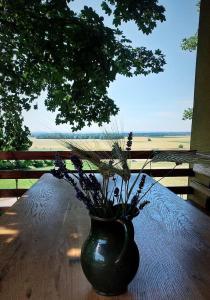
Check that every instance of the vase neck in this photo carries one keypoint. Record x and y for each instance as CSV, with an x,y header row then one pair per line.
x,y
106,226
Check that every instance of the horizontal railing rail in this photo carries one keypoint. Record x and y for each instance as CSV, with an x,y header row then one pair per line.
x,y
50,155
10,193
34,174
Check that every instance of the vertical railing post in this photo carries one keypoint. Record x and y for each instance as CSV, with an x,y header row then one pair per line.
x,y
200,137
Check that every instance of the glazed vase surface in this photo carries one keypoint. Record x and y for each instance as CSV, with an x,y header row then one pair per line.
x,y
110,257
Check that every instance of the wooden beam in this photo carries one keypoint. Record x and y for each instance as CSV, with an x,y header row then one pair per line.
x,y
21,174
181,189
29,174
166,172
201,111
50,155
4,193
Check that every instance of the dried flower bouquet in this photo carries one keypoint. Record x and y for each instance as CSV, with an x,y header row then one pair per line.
x,y
113,193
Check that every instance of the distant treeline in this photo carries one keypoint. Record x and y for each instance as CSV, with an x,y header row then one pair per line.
x,y
96,136
102,136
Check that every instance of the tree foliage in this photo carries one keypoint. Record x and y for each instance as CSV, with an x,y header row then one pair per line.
x,y
13,134
190,43
47,46
187,114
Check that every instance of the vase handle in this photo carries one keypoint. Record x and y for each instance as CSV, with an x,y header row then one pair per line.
x,y
126,240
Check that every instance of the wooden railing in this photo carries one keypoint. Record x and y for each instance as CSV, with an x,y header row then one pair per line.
x,y
50,155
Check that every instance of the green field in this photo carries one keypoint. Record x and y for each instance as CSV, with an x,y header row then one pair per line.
x,y
27,183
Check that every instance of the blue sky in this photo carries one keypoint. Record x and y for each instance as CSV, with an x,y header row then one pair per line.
x,y
155,102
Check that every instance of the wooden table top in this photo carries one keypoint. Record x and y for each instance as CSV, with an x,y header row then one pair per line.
x,y
42,234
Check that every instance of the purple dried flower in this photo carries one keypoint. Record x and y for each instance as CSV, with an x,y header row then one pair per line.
x,y
77,162
62,171
58,162
57,173
141,206
81,196
96,198
141,184
116,192
95,184
84,181
70,179
135,201
129,141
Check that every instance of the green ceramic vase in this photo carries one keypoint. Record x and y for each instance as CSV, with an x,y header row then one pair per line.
x,y
110,257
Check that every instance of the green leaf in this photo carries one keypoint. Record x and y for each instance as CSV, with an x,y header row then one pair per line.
x,y
47,46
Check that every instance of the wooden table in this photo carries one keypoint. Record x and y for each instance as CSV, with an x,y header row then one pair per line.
x,y
41,237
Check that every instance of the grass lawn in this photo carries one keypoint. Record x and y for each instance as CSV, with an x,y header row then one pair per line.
x,y
11,183
27,183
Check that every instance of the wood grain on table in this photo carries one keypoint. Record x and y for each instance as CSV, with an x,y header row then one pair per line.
x,y
42,234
